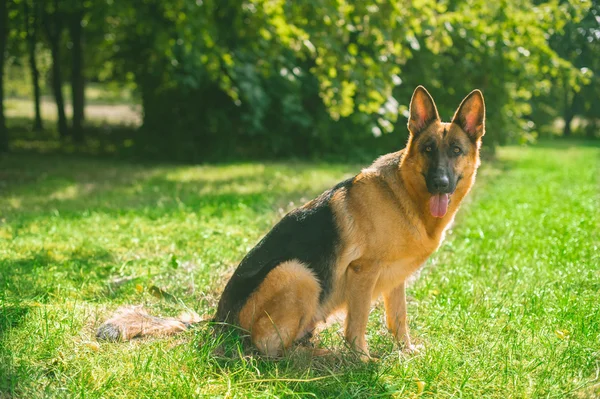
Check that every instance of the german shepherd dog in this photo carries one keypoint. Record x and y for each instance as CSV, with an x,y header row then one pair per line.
x,y
359,240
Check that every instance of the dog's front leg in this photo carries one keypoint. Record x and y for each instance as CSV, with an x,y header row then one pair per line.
x,y
395,312
360,282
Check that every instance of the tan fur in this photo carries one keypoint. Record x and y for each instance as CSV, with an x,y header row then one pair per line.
x,y
395,312
283,308
387,233
131,322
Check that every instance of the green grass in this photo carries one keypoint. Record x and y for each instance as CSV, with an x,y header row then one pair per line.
x,y
124,113
508,307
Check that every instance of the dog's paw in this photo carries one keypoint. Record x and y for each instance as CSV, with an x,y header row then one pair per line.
x,y
366,358
413,349
363,355
318,352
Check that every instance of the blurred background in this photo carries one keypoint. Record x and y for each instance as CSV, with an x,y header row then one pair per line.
x,y
216,80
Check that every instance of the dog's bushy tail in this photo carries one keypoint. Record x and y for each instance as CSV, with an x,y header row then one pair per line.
x,y
134,322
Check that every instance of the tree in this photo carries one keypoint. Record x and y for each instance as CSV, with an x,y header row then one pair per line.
x,y
3,38
579,42
588,60
31,22
52,20
75,19
270,77
217,76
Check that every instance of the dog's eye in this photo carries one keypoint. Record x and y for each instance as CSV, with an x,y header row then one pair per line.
x,y
428,148
457,150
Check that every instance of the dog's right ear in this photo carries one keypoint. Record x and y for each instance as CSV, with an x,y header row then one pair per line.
x,y
422,111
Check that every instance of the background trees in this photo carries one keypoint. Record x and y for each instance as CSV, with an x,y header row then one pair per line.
x,y
274,78
579,42
3,37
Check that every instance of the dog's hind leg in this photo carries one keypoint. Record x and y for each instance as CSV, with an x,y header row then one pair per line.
x,y
282,309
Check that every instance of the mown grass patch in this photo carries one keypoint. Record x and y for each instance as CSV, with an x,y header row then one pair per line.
x,y
508,307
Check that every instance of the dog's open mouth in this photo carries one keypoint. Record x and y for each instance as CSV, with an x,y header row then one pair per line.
x,y
438,204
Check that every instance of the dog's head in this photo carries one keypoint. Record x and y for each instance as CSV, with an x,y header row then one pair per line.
x,y
444,156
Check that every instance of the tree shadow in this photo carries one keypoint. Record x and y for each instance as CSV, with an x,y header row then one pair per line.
x,y
27,279
74,186
11,317
102,140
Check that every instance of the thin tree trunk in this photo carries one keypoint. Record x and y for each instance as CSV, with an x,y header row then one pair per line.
x,y
592,128
568,113
567,128
3,36
77,80
31,33
57,89
53,27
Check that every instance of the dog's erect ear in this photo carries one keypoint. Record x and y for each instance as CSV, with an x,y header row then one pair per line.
x,y
470,115
422,111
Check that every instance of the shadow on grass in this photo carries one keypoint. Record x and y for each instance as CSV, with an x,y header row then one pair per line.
x,y
339,373
28,279
102,140
26,285
11,316
322,377
38,185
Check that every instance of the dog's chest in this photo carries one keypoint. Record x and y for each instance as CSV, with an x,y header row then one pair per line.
x,y
392,274
404,247
401,260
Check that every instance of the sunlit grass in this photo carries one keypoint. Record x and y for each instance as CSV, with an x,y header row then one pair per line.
x,y
123,113
105,103
508,307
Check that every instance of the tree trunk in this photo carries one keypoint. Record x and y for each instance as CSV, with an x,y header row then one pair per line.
x,y
53,26
592,128
31,34
568,113
77,80
3,36
567,128
57,89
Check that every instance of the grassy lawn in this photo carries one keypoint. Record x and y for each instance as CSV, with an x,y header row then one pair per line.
x,y
105,103
508,307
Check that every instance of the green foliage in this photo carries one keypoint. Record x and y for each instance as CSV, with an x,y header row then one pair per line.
x,y
507,308
280,78
502,48
317,75
579,41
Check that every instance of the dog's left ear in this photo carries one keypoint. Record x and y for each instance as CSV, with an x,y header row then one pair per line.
x,y
470,115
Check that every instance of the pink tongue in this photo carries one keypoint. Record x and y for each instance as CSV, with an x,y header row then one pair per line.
x,y
438,205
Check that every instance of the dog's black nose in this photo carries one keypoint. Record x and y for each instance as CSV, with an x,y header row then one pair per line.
x,y
441,183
